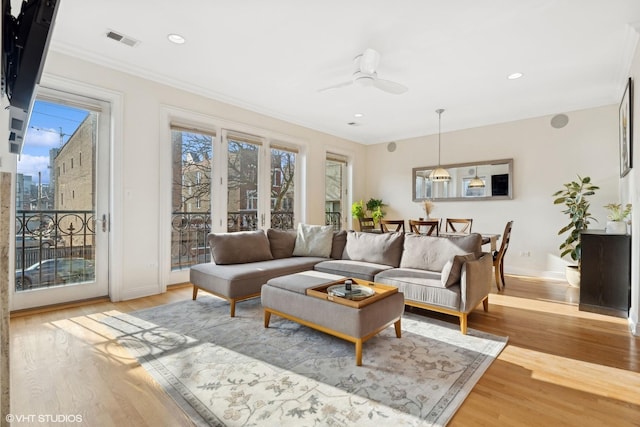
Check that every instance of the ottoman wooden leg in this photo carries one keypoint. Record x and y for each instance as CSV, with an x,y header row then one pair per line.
x,y
359,352
233,307
195,292
398,329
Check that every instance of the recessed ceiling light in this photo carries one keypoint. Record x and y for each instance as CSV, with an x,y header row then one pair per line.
x,y
514,76
176,38
358,115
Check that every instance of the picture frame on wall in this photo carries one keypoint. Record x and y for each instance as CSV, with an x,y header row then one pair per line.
x,y
625,129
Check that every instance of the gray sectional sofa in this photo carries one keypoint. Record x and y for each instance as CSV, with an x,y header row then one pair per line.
x,y
446,274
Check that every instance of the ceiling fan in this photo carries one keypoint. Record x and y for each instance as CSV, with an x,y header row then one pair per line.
x,y
366,75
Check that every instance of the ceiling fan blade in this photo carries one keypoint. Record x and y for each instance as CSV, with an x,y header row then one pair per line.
x,y
390,87
369,61
336,86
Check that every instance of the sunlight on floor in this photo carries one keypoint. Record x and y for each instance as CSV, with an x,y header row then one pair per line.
x,y
551,307
576,374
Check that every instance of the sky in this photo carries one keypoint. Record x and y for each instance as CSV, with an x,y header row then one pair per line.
x,y
50,126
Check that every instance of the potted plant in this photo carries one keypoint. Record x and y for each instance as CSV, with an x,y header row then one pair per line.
x,y
375,207
617,216
357,209
575,197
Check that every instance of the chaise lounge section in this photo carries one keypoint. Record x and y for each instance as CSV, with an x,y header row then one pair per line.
x,y
244,261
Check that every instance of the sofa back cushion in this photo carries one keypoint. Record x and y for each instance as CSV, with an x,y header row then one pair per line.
x,y
281,242
432,253
313,240
384,248
452,269
339,242
240,247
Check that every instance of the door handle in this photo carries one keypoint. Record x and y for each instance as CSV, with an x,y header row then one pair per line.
x,y
103,220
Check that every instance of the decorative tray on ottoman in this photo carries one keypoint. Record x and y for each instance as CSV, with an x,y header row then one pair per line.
x,y
362,293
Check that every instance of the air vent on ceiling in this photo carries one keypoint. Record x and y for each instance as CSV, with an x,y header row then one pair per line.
x,y
131,42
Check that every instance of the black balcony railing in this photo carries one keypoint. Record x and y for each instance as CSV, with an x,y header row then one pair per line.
x,y
54,247
334,219
189,230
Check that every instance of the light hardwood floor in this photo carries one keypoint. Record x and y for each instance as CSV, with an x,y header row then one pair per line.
x,y
560,367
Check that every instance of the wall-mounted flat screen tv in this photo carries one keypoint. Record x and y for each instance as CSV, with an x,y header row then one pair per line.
x,y
25,42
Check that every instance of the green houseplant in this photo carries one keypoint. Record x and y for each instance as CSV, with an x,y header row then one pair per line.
x,y
617,215
357,209
375,207
575,198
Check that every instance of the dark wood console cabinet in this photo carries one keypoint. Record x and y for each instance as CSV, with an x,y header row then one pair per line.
x,y
605,273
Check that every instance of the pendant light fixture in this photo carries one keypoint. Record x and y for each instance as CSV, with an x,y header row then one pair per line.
x,y
476,182
439,174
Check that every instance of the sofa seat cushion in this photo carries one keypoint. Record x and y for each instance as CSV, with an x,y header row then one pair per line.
x,y
432,253
421,286
239,280
300,282
348,268
385,248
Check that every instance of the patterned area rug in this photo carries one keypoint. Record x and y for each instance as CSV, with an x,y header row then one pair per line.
x,y
233,372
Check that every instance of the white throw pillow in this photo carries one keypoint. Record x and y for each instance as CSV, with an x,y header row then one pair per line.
x,y
313,240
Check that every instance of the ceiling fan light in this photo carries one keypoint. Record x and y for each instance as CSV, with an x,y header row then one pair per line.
x,y
364,81
439,175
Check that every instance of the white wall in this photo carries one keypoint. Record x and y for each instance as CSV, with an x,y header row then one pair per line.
x,y
544,159
138,168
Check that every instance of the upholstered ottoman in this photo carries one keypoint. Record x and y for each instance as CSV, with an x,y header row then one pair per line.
x,y
286,296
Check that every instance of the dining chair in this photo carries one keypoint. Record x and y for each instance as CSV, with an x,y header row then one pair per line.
x,y
458,225
386,225
427,226
366,224
498,256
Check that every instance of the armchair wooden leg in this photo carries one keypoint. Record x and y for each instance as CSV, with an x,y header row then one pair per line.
x,y
485,303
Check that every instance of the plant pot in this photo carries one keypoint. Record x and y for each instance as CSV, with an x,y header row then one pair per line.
x,y
616,227
573,275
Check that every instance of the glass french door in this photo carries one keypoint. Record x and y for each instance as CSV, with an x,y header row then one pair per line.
x,y
62,202
191,201
244,166
335,190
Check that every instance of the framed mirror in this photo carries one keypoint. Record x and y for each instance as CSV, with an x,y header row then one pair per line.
x,y
497,176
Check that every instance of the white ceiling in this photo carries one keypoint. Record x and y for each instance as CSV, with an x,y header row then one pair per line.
x,y
273,56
